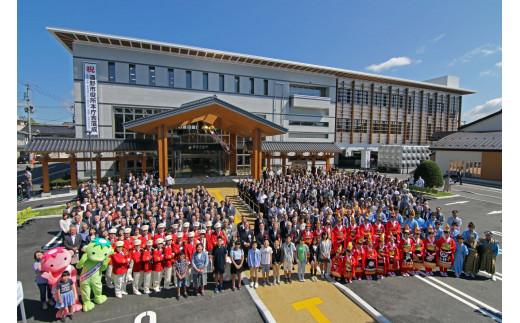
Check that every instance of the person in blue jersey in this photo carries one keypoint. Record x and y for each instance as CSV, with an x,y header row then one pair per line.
x,y
461,251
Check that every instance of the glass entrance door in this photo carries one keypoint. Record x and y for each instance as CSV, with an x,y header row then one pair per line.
x,y
189,164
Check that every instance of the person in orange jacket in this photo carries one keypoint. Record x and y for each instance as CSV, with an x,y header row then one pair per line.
x,y
136,255
147,259
406,248
392,250
418,251
359,255
382,257
446,246
120,263
430,252
158,257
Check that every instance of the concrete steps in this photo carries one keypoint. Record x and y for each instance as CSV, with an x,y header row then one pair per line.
x,y
243,209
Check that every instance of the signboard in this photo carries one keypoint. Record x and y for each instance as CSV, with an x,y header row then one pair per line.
x,y
91,102
211,147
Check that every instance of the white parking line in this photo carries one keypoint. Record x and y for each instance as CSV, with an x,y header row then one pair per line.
x,y
476,301
492,196
459,202
478,187
473,306
481,200
52,242
498,233
488,275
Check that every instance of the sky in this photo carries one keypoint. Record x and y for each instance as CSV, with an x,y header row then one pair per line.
x,y
417,40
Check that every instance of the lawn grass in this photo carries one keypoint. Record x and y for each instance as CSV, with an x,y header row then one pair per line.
x,y
438,194
53,211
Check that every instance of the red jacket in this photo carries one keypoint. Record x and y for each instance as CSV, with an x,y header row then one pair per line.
x,y
176,249
307,236
189,249
359,255
168,256
214,237
336,231
353,233
158,258
395,229
120,263
450,242
157,236
392,251
144,239
138,261
378,230
147,260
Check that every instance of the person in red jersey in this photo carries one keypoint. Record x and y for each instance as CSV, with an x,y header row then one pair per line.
x,y
378,228
161,234
350,264
338,264
353,231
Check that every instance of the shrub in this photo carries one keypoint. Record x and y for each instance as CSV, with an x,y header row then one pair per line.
x,y
431,173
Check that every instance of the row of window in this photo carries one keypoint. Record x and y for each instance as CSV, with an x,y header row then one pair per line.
x,y
188,84
363,126
308,123
472,169
307,90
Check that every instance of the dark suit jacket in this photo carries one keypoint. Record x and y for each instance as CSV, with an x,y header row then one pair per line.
x,y
67,241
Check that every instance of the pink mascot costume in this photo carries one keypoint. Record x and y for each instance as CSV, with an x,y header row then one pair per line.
x,y
54,262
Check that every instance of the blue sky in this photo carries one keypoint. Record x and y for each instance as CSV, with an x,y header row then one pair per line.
x,y
417,40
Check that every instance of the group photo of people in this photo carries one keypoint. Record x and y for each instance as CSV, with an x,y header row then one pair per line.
x,y
320,224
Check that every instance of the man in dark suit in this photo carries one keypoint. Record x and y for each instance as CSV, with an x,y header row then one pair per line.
x,y
72,241
259,220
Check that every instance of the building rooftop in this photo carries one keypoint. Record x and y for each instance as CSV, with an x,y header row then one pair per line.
x,y
67,37
51,130
470,141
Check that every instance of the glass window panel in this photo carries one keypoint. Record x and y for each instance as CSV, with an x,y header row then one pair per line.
x,y
221,83
188,79
111,71
132,73
152,75
205,81
170,77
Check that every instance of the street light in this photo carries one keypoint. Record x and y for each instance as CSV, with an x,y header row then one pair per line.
x,y
89,132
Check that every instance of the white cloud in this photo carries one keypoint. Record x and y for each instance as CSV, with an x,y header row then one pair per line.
x,y
499,64
420,50
482,110
436,39
487,73
486,50
391,63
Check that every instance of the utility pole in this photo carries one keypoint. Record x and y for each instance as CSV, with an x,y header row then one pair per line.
x,y
28,109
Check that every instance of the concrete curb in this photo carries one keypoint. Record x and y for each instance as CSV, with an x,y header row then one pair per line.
x,y
378,317
264,311
47,216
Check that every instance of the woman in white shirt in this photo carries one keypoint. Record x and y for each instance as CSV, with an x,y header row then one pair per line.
x,y
65,223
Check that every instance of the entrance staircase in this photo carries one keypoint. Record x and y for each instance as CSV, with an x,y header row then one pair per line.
x,y
243,209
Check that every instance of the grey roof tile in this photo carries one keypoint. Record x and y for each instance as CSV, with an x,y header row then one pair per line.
x,y
478,141
71,145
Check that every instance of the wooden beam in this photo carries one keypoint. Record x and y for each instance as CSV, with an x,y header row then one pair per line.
x,y
98,169
405,115
143,163
72,162
257,153
327,162
284,159
45,174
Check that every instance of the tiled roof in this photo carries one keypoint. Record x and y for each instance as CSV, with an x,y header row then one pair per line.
x,y
72,145
439,135
51,130
478,141
287,146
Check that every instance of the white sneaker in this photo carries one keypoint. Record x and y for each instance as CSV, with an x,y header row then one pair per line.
x,y
157,289
256,285
119,296
147,292
167,287
124,293
45,306
493,278
278,282
136,292
251,284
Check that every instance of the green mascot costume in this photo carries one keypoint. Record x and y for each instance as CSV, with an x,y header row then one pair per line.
x,y
94,261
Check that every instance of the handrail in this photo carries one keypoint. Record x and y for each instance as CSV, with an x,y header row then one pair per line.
x,y
251,202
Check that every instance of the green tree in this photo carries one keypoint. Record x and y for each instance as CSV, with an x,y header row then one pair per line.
x,y
430,172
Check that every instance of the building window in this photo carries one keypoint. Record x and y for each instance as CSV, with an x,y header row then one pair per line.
x,y
308,123
251,85
456,165
221,83
152,75
380,126
430,106
237,84
307,90
122,115
378,99
408,130
361,97
343,125
429,131
410,104
188,79
473,169
205,81
133,78
397,100
360,126
344,95
266,87
385,100
396,128
111,71
308,135
170,77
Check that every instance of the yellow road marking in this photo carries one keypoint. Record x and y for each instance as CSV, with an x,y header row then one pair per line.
x,y
310,305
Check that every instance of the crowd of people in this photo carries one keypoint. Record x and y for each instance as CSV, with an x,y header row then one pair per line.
x,y
347,225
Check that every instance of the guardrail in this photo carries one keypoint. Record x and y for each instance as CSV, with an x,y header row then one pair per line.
x,y
253,205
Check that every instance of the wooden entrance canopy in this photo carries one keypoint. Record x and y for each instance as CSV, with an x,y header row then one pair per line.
x,y
296,150
72,146
212,111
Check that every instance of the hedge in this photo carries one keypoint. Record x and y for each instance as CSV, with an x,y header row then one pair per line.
x,y
431,174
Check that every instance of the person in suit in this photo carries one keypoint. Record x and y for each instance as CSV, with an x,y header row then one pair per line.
x,y
72,241
259,220
459,176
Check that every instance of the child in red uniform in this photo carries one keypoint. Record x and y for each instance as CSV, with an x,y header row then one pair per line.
x,y
418,251
430,252
353,231
446,246
359,255
382,258
370,259
120,262
393,227
168,261
158,257
338,264
392,250
406,248
350,264
378,228
147,259
136,254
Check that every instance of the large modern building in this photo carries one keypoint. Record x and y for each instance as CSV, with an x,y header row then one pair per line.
x,y
315,105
